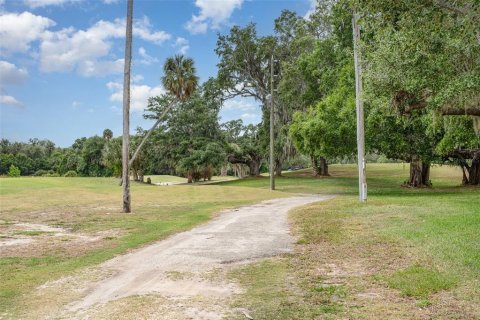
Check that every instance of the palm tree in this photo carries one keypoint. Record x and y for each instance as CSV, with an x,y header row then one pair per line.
x,y
126,109
107,134
179,77
181,81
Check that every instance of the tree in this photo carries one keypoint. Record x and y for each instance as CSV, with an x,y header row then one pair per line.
x,y
423,73
179,77
181,82
327,129
189,136
126,110
107,134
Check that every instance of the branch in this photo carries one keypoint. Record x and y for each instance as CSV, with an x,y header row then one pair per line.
x,y
471,111
444,4
164,113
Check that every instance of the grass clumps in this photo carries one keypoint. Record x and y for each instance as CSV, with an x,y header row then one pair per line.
x,y
420,282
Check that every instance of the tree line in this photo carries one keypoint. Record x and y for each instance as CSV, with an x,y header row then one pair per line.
x,y
421,98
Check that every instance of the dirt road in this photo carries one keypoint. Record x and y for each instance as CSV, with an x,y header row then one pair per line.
x,y
179,269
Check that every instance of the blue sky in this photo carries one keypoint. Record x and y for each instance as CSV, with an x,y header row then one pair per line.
x,y
61,61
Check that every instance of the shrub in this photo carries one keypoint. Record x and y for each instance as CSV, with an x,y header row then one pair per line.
x,y
70,173
40,173
52,173
13,171
149,181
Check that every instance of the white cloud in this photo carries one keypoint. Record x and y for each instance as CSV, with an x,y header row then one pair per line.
x,y
10,74
213,13
18,30
146,59
311,10
43,3
182,44
137,78
142,29
239,105
139,94
110,1
247,116
9,100
86,50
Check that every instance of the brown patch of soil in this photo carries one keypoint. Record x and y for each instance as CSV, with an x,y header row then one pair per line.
x,y
34,240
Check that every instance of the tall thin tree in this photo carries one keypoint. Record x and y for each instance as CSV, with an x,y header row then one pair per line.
x,y
181,81
126,109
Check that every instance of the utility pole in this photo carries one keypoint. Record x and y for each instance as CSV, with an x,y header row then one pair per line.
x,y
272,171
362,181
126,110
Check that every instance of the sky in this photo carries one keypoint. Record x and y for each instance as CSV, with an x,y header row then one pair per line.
x,y
61,61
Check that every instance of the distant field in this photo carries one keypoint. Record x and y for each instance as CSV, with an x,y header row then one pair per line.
x,y
179,180
50,227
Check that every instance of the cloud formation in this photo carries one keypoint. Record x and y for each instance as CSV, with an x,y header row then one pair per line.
x,y
10,101
213,13
146,59
139,94
239,105
10,74
43,3
19,30
86,50
182,45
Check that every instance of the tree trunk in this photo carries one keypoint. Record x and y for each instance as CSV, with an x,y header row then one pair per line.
x,y
323,167
254,168
135,174
126,109
314,165
190,177
224,170
278,168
419,174
140,175
473,173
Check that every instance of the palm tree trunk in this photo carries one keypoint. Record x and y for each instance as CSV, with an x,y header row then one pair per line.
x,y
164,113
126,109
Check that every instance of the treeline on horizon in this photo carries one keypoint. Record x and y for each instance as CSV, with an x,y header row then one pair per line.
x,y
421,99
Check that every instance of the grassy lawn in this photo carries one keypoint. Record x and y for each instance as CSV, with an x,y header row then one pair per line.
x,y
405,254
88,210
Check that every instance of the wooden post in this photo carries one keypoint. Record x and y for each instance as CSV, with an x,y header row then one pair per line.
x,y
126,110
362,181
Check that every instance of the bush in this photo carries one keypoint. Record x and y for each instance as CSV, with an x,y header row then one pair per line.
x,y
46,173
52,174
40,173
70,173
13,171
149,181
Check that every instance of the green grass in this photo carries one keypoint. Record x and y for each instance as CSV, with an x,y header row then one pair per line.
x,y
91,205
416,242
407,242
420,282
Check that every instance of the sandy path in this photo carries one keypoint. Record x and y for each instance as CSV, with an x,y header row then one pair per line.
x,y
238,235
